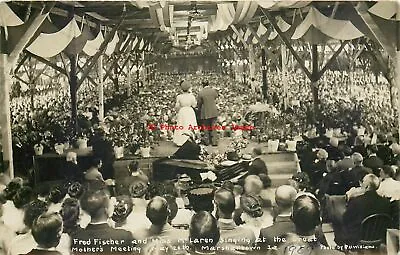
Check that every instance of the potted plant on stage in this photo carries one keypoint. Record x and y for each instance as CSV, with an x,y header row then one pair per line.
x,y
119,149
145,149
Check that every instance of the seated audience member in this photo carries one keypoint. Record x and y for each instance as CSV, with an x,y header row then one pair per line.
x,y
389,187
253,215
267,194
333,151
354,175
97,205
236,237
55,197
317,168
203,226
71,170
306,218
347,162
359,207
395,157
46,230
6,234
136,175
14,209
373,161
301,182
122,209
158,212
284,198
70,213
257,166
332,183
138,192
24,243
253,185
93,173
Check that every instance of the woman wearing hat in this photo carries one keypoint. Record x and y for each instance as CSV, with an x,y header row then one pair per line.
x,y
186,116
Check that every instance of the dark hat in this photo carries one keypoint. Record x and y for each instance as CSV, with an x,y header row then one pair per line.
x,y
251,205
138,189
201,198
232,155
122,209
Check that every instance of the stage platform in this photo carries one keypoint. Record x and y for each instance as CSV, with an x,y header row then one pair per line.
x,y
281,165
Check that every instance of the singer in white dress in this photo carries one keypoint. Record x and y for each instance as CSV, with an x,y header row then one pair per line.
x,y
186,116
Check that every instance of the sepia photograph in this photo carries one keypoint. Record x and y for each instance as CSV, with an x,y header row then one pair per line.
x,y
178,127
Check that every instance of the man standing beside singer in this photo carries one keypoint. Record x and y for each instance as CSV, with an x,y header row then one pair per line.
x,y
208,112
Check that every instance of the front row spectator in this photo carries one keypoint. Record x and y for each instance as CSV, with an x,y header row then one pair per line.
x,y
46,231
359,207
203,227
97,205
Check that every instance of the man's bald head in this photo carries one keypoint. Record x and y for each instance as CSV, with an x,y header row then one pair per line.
x,y
157,211
285,196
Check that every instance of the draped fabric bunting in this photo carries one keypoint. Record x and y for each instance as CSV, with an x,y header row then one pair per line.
x,y
241,33
283,26
385,9
245,10
49,45
247,34
141,44
274,5
111,45
336,29
157,16
168,13
92,46
8,18
124,43
260,32
135,42
224,17
77,44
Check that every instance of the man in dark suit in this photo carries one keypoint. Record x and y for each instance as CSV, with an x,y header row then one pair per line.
x,y
98,236
232,237
353,176
271,236
206,103
373,161
257,166
360,207
347,162
333,151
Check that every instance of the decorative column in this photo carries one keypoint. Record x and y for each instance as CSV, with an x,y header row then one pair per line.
x,y
5,113
128,75
284,75
264,75
73,89
101,88
314,80
252,62
397,64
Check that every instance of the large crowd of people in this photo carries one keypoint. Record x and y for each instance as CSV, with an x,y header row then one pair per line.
x,y
349,159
